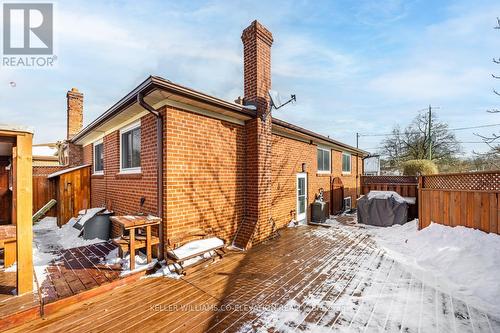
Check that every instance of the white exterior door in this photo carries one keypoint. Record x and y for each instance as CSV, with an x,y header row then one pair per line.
x,y
301,196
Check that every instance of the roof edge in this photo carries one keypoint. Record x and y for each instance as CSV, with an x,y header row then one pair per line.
x,y
302,130
156,82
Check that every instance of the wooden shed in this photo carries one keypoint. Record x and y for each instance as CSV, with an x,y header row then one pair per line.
x,y
72,188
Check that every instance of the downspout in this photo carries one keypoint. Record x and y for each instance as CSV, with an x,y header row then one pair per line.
x,y
159,165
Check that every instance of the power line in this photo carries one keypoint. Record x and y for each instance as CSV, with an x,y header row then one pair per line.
x,y
456,142
450,129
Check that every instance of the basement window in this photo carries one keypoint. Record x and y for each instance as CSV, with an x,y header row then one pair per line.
x,y
98,158
324,160
347,203
346,163
130,149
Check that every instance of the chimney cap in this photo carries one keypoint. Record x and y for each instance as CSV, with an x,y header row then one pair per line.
x,y
74,92
257,30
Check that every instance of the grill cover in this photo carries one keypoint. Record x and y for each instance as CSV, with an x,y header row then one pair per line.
x,y
382,209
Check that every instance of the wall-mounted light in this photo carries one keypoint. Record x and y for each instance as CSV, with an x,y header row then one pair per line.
x,y
304,167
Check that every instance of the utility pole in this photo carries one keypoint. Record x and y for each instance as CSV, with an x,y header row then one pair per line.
x,y
357,140
429,134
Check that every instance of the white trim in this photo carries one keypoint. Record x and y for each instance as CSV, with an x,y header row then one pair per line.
x,y
350,163
200,111
302,216
126,129
350,203
329,160
94,144
102,134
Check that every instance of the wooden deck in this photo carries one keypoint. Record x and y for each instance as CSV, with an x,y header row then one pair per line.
x,y
11,306
77,275
78,269
309,279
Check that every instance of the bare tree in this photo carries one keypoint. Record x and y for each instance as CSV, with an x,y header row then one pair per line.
x,y
413,142
491,140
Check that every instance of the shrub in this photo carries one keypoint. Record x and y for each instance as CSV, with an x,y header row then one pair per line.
x,y
419,167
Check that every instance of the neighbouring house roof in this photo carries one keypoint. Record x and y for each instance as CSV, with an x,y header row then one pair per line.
x,y
157,89
58,173
15,128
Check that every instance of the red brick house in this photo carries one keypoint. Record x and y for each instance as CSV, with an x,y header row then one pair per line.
x,y
222,165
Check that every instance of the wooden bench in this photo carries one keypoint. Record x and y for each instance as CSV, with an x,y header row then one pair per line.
x,y
8,244
194,234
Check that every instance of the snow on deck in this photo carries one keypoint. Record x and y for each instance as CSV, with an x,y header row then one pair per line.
x,y
452,286
345,278
66,264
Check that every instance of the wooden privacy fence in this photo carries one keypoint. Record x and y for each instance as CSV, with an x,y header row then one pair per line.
x,y
465,199
406,186
43,188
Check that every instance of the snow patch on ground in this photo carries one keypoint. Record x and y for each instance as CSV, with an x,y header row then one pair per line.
x,y
465,260
141,264
49,237
49,240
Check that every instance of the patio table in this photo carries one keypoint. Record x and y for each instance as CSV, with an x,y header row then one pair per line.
x,y
131,223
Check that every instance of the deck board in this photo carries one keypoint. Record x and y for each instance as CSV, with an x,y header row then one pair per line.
x,y
340,268
11,305
77,270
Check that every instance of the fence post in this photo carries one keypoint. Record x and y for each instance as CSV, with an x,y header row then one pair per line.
x,y
419,201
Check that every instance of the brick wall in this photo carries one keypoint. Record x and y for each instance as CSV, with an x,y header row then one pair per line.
x,y
43,170
122,192
288,156
204,174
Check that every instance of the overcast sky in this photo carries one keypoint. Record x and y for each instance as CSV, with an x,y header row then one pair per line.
x,y
355,66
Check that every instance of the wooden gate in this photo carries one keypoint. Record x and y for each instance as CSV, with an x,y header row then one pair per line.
x,y
337,196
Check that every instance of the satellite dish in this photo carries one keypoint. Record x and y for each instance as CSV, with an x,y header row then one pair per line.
x,y
277,101
275,98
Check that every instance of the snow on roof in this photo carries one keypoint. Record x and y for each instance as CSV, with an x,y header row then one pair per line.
x,y
58,173
44,151
16,128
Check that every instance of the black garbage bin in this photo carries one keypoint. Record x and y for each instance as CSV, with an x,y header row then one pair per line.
x,y
98,226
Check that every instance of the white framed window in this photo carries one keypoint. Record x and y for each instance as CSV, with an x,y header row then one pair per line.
x,y
98,158
346,163
130,148
347,203
324,160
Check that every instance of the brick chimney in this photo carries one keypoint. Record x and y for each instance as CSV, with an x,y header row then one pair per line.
x,y
257,41
75,112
